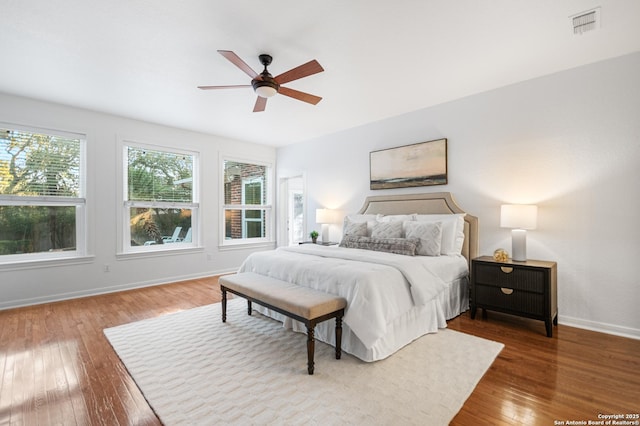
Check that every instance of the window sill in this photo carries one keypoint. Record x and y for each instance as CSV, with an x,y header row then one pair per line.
x,y
45,263
246,246
158,253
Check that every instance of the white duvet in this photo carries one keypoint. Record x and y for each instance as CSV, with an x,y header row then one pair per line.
x,y
379,287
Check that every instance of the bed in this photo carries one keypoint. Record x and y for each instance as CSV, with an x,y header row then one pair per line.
x,y
392,298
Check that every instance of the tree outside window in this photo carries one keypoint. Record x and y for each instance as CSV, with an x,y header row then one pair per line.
x,y
161,198
41,194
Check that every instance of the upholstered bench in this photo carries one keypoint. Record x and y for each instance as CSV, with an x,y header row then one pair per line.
x,y
304,304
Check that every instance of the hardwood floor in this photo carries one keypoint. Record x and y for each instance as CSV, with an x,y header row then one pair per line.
x,y
56,367
573,376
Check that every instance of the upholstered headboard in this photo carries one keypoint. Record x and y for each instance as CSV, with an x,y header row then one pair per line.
x,y
429,203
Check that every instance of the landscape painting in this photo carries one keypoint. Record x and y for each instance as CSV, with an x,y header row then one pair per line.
x,y
420,164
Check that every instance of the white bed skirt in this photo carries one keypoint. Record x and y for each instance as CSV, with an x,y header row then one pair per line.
x,y
403,330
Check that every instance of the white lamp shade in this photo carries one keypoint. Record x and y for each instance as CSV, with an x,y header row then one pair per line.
x,y
518,216
324,216
266,91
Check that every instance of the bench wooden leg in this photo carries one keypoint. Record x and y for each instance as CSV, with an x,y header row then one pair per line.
x,y
310,349
224,304
248,307
338,336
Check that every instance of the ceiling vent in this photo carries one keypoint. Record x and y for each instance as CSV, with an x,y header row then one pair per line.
x,y
586,21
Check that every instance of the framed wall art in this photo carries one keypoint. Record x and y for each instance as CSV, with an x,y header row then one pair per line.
x,y
419,164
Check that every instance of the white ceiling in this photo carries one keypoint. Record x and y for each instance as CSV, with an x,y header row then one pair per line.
x,y
144,58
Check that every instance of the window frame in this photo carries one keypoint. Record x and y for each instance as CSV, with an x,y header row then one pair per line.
x,y
245,219
267,207
79,202
125,204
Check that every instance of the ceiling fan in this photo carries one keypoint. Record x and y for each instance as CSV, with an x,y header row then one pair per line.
x,y
265,85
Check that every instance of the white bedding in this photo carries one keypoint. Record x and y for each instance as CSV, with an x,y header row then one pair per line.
x,y
391,299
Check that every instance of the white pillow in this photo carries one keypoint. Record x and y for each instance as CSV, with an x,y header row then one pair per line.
x,y
429,235
387,230
452,230
395,217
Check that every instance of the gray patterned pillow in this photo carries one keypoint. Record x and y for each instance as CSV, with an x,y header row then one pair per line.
x,y
370,220
429,235
387,230
355,228
406,246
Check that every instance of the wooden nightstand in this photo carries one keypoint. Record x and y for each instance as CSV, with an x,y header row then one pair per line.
x,y
528,289
320,243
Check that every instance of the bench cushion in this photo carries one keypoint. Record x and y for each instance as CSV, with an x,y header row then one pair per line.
x,y
302,301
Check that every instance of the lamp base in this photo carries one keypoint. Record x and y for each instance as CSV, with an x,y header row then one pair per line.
x,y
519,244
325,232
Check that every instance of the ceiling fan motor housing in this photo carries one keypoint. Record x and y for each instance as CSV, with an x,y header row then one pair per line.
x,y
265,85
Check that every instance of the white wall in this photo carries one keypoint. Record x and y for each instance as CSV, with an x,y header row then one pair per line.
x,y
568,142
39,283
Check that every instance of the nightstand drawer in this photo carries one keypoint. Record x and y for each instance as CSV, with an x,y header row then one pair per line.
x,y
526,279
510,299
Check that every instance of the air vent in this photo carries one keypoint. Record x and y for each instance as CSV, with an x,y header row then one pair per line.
x,y
586,21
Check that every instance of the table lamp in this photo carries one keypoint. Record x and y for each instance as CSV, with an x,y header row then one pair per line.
x,y
518,217
324,217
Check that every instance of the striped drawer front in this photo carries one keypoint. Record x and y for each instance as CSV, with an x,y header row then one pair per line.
x,y
517,300
516,278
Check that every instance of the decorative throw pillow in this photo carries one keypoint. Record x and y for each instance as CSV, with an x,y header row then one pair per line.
x,y
387,230
405,246
370,220
355,228
452,231
429,235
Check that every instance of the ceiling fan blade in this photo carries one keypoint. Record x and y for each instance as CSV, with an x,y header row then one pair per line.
x,y
304,70
235,60
260,105
301,96
223,87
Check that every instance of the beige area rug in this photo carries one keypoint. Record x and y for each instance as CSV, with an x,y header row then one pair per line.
x,y
195,370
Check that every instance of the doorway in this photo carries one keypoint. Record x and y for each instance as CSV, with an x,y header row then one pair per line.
x,y
293,228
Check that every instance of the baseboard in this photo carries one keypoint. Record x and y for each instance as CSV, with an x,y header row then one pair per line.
x,y
106,290
617,330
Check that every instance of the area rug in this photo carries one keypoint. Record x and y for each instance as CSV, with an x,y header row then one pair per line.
x,y
195,370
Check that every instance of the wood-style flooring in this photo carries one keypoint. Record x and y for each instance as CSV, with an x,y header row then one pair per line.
x,y
57,368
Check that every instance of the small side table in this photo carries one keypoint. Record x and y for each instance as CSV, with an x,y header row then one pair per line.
x,y
320,243
528,289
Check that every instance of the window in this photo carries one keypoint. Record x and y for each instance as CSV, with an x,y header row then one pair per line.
x,y
42,204
161,207
247,202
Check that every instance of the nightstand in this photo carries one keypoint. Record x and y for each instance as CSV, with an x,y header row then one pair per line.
x,y
528,289
320,243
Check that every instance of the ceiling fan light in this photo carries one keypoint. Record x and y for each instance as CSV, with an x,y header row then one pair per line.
x,y
266,91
